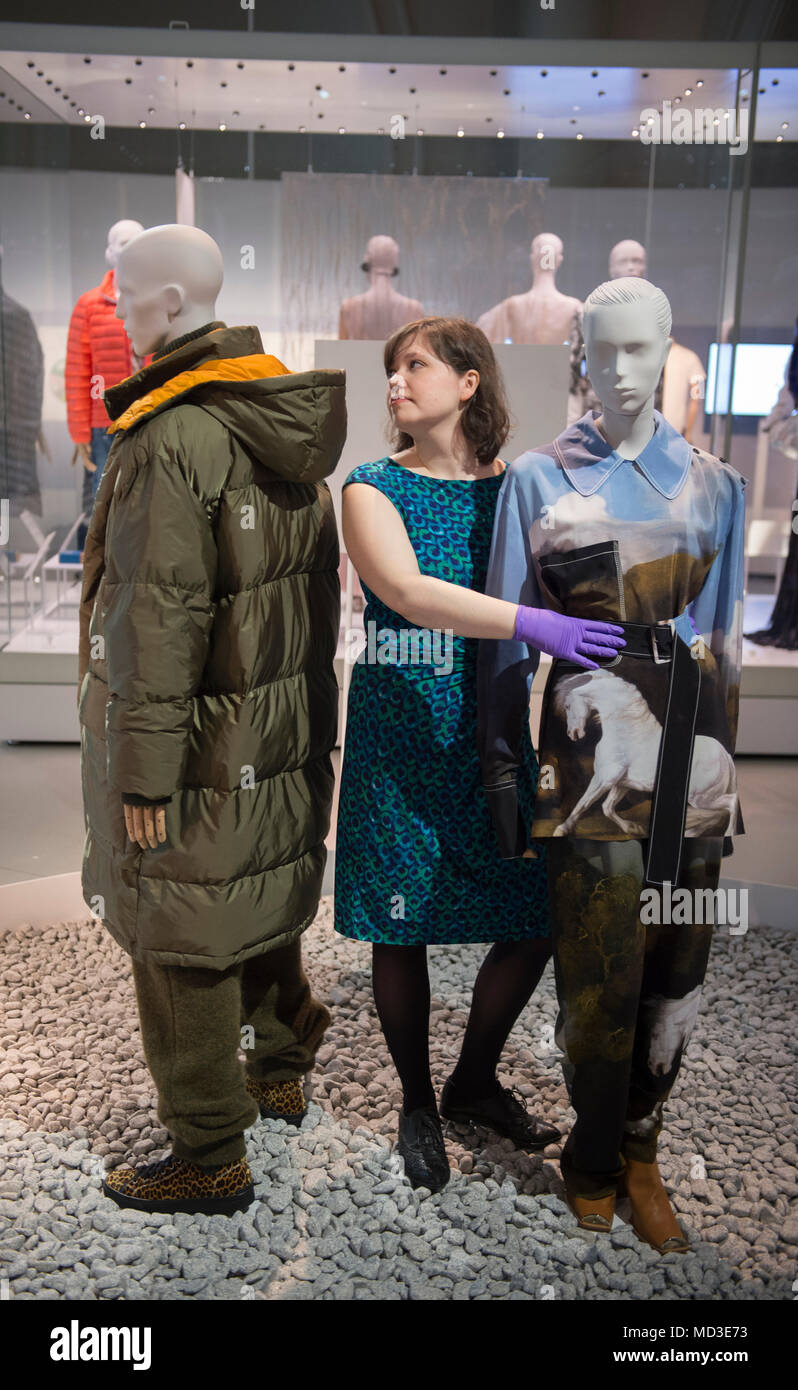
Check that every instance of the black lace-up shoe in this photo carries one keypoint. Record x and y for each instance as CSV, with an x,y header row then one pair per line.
x,y
505,1112
421,1146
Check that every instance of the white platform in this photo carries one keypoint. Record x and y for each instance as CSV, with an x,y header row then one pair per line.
x,y
38,682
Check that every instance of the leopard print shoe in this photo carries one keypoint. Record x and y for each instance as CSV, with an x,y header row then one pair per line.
x,y
279,1100
175,1184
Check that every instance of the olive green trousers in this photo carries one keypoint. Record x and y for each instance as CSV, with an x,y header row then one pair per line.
x,y
194,1020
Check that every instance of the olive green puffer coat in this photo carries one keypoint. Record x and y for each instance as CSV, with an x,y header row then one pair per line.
x,y
209,622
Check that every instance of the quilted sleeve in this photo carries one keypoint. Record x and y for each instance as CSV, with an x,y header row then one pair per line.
x,y
77,377
158,610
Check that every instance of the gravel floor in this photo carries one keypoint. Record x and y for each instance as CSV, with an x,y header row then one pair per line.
x,y
335,1218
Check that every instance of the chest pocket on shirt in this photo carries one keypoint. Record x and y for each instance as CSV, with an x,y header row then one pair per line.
x,y
587,582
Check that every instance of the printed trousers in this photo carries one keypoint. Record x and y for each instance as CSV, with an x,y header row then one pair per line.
x,y
193,1020
628,988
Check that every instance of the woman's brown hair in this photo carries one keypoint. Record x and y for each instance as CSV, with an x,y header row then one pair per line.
x,y
485,418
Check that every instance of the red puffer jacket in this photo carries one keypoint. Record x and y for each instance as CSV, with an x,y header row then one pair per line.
x,y
99,355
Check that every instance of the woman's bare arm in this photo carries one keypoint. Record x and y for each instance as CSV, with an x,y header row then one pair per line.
x,y
378,545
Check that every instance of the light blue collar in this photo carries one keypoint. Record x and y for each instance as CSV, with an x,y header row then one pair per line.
x,y
588,460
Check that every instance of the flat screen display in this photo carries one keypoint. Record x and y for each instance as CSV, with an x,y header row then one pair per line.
x,y
758,377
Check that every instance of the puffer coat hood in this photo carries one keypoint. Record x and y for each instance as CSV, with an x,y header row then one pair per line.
x,y
209,621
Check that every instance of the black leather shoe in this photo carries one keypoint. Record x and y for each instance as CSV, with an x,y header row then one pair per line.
x,y
505,1112
421,1146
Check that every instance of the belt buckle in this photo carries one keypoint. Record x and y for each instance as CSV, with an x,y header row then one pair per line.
x,y
659,660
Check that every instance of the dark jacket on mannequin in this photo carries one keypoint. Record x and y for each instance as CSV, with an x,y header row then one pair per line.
x,y
208,627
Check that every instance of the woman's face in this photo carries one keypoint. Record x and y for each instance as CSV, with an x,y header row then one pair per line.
x,y
424,391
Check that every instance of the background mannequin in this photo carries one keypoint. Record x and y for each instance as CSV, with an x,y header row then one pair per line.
x,y
682,387
628,258
380,311
98,356
21,393
542,314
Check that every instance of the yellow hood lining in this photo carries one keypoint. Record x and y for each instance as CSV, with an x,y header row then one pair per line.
x,y
253,368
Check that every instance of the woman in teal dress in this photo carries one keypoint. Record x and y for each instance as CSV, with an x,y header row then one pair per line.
x,y
416,856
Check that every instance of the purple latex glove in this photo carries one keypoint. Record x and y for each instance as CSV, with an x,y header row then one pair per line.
x,y
571,639
692,624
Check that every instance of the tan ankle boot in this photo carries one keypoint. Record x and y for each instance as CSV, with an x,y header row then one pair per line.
x,y
653,1218
592,1213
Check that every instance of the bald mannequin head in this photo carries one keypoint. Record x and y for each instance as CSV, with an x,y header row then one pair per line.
x,y
382,255
627,258
169,278
118,237
546,252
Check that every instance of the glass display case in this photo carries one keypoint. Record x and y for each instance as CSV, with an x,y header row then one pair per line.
x,y
516,175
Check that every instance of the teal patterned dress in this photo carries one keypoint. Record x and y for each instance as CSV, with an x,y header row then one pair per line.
x,y
416,857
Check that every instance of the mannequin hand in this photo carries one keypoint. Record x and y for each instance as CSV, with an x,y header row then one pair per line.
x,y
85,454
570,639
143,823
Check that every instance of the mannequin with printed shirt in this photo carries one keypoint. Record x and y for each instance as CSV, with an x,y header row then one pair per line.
x,y
620,519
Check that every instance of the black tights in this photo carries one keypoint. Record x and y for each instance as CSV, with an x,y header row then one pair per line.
x,y
503,987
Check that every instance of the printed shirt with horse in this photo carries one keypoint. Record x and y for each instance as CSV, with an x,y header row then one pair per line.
x,y
581,530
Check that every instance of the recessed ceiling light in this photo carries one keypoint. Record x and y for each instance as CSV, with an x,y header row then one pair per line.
x,y
594,73
182,125
443,71
499,134
239,65
779,139
785,125
138,62
27,115
302,129
222,125
700,82
419,132
688,91
128,81
342,67
342,130
142,124
392,69
460,133
539,135
507,91
579,135
493,72
291,67
635,132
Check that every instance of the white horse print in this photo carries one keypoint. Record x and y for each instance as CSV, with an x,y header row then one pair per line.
x,y
625,758
670,1023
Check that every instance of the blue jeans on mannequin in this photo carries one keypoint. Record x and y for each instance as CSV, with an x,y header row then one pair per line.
x,y
100,447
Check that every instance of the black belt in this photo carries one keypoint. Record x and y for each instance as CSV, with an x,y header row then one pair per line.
x,y
660,644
